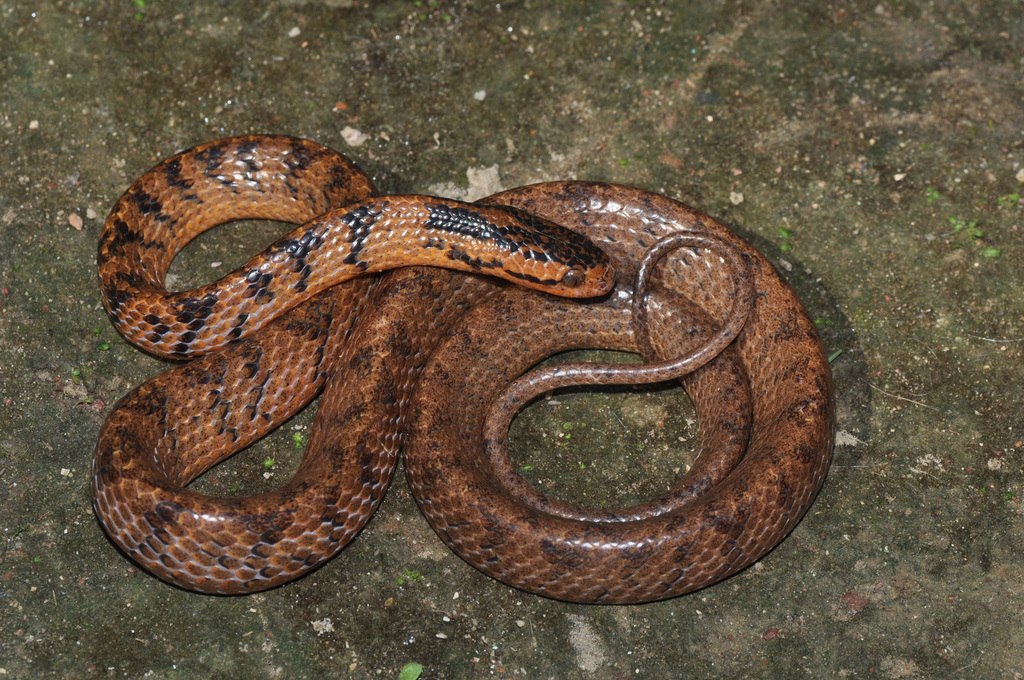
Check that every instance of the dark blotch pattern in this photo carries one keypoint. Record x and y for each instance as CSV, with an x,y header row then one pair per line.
x,y
359,222
414,360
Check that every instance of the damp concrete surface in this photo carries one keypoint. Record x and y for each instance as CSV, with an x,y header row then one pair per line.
x,y
872,150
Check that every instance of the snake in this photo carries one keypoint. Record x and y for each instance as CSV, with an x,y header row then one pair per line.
x,y
433,362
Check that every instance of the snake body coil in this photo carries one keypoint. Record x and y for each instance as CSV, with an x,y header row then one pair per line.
x,y
414,360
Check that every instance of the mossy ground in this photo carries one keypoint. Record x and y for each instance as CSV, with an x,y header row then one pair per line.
x,y
873,150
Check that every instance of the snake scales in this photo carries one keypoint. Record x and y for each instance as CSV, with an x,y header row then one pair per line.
x,y
426,361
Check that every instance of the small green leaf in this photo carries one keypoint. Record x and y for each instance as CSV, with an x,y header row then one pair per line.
x,y
785,232
991,252
297,439
410,671
1009,199
269,463
835,355
410,576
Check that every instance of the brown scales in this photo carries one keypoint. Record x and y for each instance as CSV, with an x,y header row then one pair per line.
x,y
411,361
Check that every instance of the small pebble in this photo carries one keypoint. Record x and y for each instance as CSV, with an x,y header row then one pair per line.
x,y
352,136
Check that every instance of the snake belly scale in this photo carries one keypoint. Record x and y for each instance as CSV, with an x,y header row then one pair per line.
x,y
399,357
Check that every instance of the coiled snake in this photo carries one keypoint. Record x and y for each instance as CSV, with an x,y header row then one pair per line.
x,y
426,361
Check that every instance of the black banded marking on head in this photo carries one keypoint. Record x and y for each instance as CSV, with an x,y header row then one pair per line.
x,y
532,279
535,254
466,222
552,242
476,263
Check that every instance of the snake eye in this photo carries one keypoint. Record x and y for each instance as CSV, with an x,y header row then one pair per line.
x,y
573,278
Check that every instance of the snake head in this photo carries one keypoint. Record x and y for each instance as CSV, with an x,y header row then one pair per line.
x,y
549,257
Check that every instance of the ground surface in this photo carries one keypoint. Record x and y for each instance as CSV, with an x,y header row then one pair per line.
x,y
873,150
